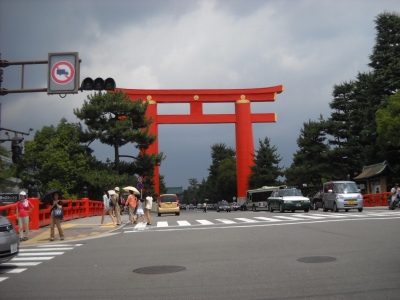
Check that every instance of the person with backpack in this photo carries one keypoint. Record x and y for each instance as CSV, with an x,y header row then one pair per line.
x,y
107,207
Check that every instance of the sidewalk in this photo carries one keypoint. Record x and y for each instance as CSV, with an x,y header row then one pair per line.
x,y
74,230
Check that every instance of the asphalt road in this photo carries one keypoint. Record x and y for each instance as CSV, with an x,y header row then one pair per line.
x,y
353,256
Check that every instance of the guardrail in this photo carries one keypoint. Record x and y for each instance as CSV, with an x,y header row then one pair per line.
x,y
379,199
40,215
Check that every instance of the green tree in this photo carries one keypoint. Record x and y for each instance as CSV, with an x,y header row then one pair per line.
x,y
57,159
265,170
115,120
226,182
219,152
385,57
388,122
309,162
6,170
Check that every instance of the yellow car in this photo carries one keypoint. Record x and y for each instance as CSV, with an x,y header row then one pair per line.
x,y
168,204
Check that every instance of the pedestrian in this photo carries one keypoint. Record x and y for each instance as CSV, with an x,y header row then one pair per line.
x,y
394,191
149,204
204,207
107,208
139,211
24,208
53,220
117,209
131,203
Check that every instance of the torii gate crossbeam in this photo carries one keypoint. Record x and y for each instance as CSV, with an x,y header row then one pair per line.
x,y
243,119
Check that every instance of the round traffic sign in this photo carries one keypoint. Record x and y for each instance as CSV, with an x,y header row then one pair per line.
x,y
140,186
62,72
140,179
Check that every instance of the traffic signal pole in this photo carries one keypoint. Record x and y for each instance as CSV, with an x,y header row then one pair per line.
x,y
5,63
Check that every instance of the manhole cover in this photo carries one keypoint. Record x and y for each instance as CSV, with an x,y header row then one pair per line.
x,y
317,259
159,270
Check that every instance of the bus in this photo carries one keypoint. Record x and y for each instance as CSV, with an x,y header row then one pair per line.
x,y
257,199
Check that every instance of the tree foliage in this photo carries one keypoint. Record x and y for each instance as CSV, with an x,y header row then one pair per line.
x,y
265,170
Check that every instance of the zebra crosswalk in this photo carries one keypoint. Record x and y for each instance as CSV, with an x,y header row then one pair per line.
x,y
33,256
270,218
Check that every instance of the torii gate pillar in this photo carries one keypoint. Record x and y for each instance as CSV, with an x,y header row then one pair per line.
x,y
243,119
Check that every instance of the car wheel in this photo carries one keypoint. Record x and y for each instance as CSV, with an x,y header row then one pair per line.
x,y
281,208
177,214
293,210
335,209
217,210
307,210
254,208
314,205
346,210
159,215
271,209
360,209
324,207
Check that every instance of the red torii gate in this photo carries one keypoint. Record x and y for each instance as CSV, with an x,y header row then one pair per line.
x,y
243,119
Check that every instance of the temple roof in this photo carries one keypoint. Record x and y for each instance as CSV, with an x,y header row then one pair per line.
x,y
374,171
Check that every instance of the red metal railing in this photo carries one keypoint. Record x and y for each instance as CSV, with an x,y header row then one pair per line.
x,y
379,199
40,215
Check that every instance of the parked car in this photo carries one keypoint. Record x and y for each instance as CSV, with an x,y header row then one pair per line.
x,y
191,206
316,200
9,240
235,206
168,204
341,195
199,206
223,206
288,199
182,206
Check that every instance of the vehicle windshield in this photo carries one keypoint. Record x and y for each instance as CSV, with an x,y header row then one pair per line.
x,y
346,187
291,192
168,198
222,203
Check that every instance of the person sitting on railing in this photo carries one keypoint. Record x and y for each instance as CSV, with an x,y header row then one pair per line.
x,y
24,207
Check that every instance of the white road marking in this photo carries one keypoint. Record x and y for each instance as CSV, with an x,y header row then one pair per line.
x,y
45,249
184,223
162,224
246,220
32,258
226,221
267,219
39,254
205,222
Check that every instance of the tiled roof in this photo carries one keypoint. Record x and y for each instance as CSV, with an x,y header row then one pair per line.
x,y
373,170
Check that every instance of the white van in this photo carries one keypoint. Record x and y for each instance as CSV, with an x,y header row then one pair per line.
x,y
341,195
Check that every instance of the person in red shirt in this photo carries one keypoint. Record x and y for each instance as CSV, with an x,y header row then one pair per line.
x,y
131,202
24,207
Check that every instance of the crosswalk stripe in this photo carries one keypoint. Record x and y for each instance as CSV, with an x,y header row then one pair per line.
x,y
17,270
3,278
32,258
162,224
246,220
205,222
39,254
140,226
183,223
226,221
310,217
330,216
21,264
45,249
267,219
288,218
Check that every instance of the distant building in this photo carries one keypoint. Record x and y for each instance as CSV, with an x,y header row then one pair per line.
x,y
176,190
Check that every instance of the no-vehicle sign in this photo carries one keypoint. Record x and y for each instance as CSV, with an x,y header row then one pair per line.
x,y
63,73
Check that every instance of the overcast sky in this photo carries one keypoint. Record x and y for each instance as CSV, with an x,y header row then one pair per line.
x,y
306,45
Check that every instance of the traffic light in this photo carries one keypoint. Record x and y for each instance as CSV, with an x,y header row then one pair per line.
x,y
98,84
16,149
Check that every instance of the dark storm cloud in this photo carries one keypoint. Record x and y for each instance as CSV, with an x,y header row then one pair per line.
x,y
308,46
